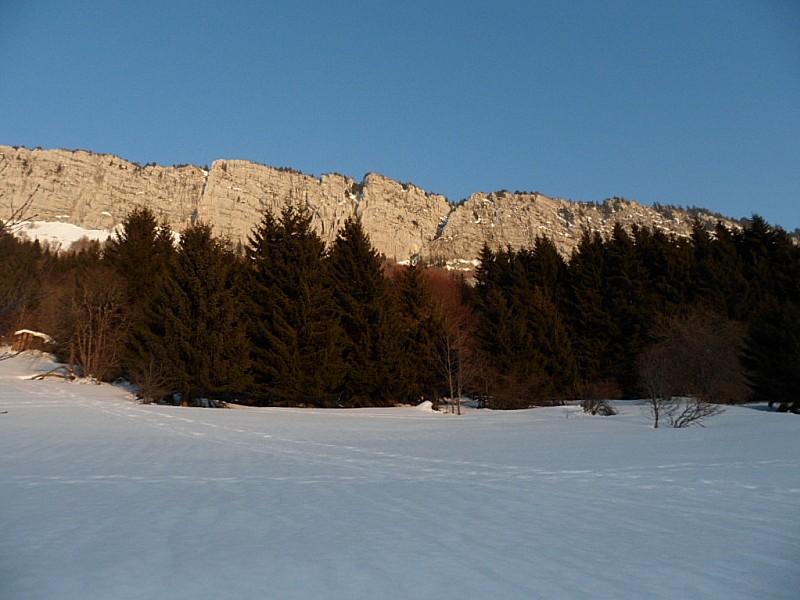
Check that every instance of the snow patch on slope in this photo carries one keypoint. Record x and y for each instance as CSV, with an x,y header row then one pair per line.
x,y
58,235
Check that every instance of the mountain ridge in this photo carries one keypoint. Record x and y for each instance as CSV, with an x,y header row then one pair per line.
x,y
404,221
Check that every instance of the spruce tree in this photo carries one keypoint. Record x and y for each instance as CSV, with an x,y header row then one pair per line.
x,y
630,319
195,331
296,336
770,264
665,262
717,280
547,269
771,356
552,343
369,317
419,332
140,251
588,315
520,329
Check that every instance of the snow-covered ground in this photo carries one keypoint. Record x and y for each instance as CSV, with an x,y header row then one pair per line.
x,y
101,497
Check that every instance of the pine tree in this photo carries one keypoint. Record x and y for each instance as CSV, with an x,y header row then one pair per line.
x,y
195,330
296,336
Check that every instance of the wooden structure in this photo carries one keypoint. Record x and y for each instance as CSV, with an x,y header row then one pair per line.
x,y
25,339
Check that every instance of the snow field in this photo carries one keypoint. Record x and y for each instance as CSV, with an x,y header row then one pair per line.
x,y
103,497
58,235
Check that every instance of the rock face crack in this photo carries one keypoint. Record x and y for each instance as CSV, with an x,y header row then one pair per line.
x,y
442,224
403,221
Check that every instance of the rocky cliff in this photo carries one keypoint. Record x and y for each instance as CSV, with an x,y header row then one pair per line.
x,y
96,191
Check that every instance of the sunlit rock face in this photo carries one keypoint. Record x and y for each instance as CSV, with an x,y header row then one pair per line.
x,y
404,222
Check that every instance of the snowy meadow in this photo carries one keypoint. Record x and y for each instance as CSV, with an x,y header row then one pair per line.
x,y
103,497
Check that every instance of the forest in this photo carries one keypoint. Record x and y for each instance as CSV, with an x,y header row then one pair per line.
x,y
284,320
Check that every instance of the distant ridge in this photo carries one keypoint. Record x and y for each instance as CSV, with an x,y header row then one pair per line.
x,y
97,191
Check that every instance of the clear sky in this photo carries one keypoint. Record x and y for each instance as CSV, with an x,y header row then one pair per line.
x,y
695,103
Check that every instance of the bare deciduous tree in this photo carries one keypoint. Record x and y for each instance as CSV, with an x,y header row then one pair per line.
x,y
102,322
88,314
454,350
660,377
151,380
704,348
17,215
692,368
654,379
455,323
19,279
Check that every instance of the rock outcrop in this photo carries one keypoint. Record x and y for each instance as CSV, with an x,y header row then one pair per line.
x,y
94,191
404,222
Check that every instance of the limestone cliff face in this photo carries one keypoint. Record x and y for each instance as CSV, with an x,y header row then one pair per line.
x,y
503,219
401,219
237,192
97,191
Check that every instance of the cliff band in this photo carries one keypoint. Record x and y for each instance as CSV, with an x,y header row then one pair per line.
x,y
97,191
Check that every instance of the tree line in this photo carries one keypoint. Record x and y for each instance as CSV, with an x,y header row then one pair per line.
x,y
286,321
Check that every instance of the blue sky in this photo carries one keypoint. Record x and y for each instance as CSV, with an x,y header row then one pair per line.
x,y
689,102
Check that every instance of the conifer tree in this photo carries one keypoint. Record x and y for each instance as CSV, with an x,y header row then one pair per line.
x,y
546,269
140,252
771,356
296,336
195,330
770,264
553,343
588,315
717,280
521,331
665,262
369,317
419,325
630,322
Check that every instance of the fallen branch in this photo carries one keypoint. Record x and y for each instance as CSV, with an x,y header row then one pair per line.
x,y
63,372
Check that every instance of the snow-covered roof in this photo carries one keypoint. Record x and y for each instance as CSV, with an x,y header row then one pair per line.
x,y
38,334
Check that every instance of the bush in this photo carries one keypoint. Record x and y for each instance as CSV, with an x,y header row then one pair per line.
x,y
151,381
598,407
681,412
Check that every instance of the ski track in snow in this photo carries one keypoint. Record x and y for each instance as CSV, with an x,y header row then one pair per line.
x,y
107,498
